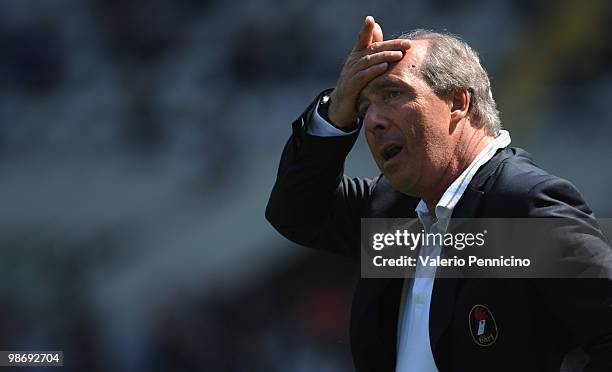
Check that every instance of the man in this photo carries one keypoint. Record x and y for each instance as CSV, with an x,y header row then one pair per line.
x,y
429,117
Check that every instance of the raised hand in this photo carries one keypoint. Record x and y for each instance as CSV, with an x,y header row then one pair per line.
x,y
369,58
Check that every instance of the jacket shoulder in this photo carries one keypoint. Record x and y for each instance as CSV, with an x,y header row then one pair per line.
x,y
520,188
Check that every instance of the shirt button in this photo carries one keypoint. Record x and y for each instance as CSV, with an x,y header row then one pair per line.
x,y
419,299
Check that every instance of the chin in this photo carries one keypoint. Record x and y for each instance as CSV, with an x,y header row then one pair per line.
x,y
402,183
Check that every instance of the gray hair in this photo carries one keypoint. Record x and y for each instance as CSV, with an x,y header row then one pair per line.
x,y
450,64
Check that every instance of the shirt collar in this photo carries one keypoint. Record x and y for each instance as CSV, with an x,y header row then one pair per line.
x,y
453,193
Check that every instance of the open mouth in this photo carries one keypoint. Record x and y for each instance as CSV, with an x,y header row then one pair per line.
x,y
391,151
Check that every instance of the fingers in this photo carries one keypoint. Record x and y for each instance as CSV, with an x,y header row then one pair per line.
x,y
371,57
365,35
363,77
365,63
366,68
380,57
395,44
344,97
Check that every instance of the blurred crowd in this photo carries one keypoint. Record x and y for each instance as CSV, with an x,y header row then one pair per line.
x,y
139,142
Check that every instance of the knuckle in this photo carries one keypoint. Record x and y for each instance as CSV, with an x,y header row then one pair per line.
x,y
352,60
360,77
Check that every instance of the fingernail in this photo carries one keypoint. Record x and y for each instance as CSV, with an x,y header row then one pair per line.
x,y
406,44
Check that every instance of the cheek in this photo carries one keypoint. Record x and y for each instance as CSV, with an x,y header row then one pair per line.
x,y
414,129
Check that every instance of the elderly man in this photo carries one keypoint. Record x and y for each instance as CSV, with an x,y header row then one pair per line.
x,y
425,104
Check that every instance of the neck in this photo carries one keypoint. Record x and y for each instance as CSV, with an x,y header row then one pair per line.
x,y
466,150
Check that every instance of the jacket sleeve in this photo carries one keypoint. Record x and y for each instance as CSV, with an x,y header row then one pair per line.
x,y
312,202
582,306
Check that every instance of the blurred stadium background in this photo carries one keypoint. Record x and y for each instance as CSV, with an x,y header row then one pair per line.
x,y
139,142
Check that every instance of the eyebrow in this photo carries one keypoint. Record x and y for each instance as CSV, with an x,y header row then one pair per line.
x,y
384,84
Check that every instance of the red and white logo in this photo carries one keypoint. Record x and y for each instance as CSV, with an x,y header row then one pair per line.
x,y
482,326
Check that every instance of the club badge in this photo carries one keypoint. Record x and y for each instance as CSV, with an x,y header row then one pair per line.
x,y
482,326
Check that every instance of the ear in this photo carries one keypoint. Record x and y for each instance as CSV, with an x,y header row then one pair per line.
x,y
460,104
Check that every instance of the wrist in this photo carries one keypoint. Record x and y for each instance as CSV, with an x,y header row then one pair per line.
x,y
325,103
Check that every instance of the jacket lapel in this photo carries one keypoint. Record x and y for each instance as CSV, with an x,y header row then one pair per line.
x,y
446,283
445,287
467,207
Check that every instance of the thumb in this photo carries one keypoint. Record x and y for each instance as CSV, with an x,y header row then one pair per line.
x,y
378,33
365,35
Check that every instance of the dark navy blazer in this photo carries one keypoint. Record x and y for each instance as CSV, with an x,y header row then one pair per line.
x,y
538,320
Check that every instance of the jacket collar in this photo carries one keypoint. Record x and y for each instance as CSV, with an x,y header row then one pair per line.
x,y
445,289
386,294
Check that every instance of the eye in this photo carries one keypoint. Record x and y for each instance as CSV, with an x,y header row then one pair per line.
x,y
393,94
362,112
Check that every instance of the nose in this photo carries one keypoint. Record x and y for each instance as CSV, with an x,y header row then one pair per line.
x,y
375,119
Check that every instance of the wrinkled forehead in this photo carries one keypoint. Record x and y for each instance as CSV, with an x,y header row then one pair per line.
x,y
417,53
406,70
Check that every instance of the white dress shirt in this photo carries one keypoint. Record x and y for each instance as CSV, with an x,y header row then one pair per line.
x,y
413,345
